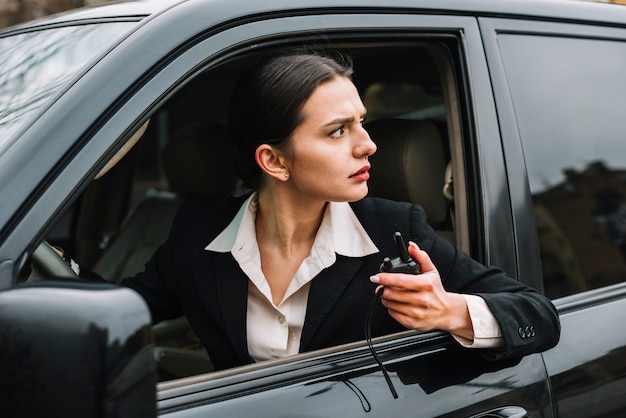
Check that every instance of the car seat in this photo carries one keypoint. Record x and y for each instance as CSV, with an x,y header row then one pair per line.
x,y
410,166
199,160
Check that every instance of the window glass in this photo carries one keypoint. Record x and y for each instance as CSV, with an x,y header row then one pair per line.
x,y
569,99
35,65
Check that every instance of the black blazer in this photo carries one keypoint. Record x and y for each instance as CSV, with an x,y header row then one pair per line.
x,y
212,291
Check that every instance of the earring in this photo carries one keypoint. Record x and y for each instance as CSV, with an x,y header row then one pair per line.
x,y
286,175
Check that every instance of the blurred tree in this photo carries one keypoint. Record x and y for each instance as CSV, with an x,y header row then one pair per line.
x,y
17,11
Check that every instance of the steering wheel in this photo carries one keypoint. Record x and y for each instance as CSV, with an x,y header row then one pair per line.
x,y
46,263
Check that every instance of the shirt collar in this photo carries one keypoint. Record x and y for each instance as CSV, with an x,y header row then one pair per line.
x,y
340,232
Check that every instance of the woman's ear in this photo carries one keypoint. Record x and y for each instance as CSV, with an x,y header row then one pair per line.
x,y
272,162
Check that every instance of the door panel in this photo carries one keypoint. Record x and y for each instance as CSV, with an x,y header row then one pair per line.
x,y
588,368
433,377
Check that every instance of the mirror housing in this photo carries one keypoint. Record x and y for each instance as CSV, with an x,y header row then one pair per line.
x,y
70,348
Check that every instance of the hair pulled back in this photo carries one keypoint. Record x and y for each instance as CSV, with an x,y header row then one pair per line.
x,y
267,103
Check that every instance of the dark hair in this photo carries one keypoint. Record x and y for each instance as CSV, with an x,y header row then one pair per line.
x,y
267,103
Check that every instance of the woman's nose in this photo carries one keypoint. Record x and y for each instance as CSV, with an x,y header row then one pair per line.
x,y
366,146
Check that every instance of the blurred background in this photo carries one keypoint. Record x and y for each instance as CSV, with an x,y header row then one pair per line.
x,y
16,11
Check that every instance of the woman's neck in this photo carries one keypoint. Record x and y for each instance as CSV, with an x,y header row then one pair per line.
x,y
287,223
285,232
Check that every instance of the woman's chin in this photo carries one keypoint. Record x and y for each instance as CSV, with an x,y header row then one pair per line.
x,y
358,195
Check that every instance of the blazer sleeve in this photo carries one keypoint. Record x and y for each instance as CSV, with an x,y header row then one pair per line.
x,y
170,277
528,320
157,282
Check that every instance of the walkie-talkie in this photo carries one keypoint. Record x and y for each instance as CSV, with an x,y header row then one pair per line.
x,y
402,264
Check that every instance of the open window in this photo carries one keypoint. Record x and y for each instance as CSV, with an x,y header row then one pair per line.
x,y
408,86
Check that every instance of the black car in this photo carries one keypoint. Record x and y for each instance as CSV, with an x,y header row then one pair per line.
x,y
111,116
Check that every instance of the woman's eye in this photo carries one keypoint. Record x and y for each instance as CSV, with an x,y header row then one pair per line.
x,y
337,133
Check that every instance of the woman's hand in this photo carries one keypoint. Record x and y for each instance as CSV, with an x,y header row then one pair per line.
x,y
420,302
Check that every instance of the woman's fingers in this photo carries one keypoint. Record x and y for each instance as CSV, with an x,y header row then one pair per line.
x,y
421,258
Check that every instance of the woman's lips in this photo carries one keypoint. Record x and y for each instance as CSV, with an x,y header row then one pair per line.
x,y
362,175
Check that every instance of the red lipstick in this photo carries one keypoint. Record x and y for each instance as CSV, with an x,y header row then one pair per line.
x,y
363,174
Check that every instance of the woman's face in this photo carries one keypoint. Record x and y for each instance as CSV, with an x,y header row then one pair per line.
x,y
327,154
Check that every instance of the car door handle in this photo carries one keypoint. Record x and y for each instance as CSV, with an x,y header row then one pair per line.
x,y
503,412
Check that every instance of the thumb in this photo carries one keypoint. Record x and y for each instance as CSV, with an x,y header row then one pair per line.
x,y
421,257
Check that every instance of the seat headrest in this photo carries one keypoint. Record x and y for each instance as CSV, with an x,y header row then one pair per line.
x,y
199,160
409,164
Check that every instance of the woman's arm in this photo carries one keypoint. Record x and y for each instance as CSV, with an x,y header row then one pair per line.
x,y
434,299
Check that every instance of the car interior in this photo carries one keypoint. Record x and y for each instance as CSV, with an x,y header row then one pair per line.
x,y
183,150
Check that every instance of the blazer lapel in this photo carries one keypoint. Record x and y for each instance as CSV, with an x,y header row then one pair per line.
x,y
232,296
326,289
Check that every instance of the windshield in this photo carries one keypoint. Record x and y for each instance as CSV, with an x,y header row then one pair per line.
x,y
36,65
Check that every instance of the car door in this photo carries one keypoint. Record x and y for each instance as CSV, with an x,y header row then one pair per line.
x,y
560,96
433,376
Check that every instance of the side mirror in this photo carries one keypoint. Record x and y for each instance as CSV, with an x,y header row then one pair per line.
x,y
71,348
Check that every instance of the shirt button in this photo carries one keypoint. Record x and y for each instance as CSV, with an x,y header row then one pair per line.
x,y
281,319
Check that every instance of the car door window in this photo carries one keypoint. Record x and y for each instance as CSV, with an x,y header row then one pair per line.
x,y
568,96
185,151
121,218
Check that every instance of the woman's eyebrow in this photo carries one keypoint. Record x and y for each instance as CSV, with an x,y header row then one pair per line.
x,y
349,119
340,121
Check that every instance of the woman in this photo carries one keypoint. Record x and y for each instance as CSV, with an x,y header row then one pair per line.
x,y
292,266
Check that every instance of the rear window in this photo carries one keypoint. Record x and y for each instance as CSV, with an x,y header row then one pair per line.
x,y
570,102
35,66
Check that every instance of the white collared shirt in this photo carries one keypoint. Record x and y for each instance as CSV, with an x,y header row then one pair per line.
x,y
274,331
